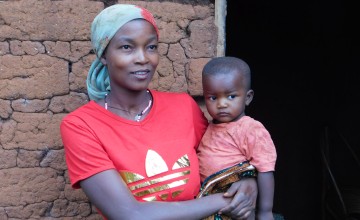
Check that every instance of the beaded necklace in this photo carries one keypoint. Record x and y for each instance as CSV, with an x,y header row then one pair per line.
x,y
137,116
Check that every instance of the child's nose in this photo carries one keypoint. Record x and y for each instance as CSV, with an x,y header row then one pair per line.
x,y
221,103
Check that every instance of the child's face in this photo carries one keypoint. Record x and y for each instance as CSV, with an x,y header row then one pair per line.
x,y
226,96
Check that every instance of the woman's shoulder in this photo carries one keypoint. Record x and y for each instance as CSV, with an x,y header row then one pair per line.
x,y
171,97
87,109
177,103
170,94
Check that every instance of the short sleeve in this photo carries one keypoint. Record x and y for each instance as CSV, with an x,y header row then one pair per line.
x,y
260,147
84,154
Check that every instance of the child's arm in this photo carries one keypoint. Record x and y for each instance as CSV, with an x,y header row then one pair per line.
x,y
266,186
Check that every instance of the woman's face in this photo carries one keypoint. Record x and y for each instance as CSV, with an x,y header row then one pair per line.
x,y
131,56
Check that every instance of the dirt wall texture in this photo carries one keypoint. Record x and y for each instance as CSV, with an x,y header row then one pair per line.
x,y
45,54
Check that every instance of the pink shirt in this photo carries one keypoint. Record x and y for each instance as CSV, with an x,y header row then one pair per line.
x,y
226,144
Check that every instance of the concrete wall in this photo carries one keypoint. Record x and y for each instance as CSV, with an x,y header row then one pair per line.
x,y
45,54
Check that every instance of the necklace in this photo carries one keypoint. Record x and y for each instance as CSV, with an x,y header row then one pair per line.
x,y
137,116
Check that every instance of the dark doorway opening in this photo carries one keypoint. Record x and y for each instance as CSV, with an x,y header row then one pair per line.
x,y
304,60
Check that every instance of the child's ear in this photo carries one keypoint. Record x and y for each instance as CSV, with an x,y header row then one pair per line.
x,y
249,97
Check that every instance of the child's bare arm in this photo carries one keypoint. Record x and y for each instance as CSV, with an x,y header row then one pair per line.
x,y
266,186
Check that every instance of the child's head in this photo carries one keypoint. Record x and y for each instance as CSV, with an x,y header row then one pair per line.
x,y
227,88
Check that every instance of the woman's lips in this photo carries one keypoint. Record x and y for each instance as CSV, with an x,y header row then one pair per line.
x,y
143,74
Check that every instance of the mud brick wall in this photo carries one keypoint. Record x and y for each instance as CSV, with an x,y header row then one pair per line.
x,y
45,54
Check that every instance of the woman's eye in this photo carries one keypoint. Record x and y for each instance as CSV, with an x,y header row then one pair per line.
x,y
125,47
153,47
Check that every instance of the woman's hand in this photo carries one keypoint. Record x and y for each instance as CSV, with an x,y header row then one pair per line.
x,y
244,193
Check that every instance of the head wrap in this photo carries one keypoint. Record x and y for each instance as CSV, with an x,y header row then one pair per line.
x,y
103,29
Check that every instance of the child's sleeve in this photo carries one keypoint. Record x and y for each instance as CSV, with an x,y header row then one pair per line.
x,y
260,148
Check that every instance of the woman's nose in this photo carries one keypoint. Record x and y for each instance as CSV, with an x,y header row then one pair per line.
x,y
141,56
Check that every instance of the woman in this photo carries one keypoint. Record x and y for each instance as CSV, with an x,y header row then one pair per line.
x,y
129,144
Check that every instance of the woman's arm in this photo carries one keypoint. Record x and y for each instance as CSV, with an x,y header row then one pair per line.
x,y
266,195
108,192
244,193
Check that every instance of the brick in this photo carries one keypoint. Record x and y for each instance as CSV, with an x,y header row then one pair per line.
x,y
15,48
59,49
65,20
8,128
4,48
79,49
5,108
68,103
33,77
63,207
30,105
54,159
33,48
177,54
23,186
171,32
74,195
78,75
31,211
202,41
26,47
33,131
28,159
7,158
195,69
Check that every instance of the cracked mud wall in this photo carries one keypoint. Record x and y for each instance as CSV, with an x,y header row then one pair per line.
x,y
45,53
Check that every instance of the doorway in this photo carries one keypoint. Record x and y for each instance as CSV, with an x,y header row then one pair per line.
x,y
304,61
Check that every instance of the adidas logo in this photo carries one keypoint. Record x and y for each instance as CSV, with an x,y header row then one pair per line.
x,y
162,183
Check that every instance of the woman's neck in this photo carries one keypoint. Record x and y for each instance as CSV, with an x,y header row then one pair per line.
x,y
133,106
129,100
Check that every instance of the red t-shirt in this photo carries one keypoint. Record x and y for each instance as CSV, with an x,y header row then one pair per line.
x,y
156,157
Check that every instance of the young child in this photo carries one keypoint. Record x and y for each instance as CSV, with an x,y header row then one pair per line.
x,y
233,139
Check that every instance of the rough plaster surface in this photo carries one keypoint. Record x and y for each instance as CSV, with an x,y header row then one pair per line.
x,y
45,54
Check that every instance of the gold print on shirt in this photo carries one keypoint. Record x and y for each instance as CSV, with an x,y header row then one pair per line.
x,y
155,165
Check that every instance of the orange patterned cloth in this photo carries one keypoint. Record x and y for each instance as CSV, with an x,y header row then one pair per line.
x,y
222,180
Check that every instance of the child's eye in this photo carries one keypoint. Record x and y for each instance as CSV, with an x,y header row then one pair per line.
x,y
231,96
212,98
